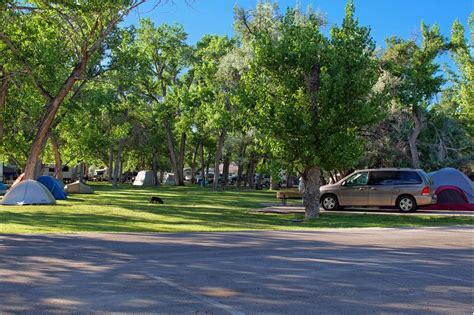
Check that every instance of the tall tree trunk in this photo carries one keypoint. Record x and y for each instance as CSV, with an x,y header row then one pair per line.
x,y
442,151
240,164
289,182
412,139
208,162
3,99
121,180
225,171
251,172
171,152
182,152
110,169
118,159
193,164
58,164
203,164
274,182
81,172
154,167
245,180
38,169
53,105
217,161
240,170
311,195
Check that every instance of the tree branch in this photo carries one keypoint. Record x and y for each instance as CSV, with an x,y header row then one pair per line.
x,y
15,51
112,23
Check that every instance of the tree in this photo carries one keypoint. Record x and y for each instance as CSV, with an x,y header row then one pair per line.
x,y
462,92
164,54
419,76
31,32
312,93
215,77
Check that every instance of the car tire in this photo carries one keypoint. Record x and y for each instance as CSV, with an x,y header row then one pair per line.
x,y
406,204
330,203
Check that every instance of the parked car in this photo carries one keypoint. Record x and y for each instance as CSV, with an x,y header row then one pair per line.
x,y
129,177
187,172
99,175
210,179
264,179
233,178
404,188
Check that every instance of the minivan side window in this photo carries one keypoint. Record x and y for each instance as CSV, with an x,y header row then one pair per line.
x,y
383,177
358,179
408,177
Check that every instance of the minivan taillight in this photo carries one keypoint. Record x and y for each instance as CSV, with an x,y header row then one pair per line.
x,y
425,191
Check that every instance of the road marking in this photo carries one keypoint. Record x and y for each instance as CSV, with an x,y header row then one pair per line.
x,y
227,308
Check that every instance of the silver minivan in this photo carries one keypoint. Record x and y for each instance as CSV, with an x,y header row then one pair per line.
x,y
387,187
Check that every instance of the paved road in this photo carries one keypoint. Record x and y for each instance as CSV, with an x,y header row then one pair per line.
x,y
353,271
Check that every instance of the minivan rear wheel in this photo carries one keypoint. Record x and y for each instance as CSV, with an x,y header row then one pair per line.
x,y
406,204
330,202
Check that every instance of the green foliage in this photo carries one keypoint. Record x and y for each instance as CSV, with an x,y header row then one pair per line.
x,y
214,82
415,65
462,96
307,104
287,95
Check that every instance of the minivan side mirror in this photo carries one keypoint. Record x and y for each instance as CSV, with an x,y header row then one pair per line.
x,y
343,183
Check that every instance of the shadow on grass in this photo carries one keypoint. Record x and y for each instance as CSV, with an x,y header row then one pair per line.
x,y
190,208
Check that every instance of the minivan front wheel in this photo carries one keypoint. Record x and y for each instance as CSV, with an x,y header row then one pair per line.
x,y
406,204
330,202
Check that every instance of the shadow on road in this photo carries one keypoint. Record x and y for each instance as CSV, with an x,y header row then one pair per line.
x,y
392,270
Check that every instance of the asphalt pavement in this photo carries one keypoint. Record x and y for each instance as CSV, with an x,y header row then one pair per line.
x,y
337,271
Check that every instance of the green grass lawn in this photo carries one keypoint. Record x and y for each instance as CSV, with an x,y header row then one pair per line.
x,y
186,209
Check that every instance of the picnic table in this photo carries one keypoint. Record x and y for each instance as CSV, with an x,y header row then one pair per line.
x,y
285,195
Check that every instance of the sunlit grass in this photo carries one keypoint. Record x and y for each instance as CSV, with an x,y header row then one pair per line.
x,y
186,209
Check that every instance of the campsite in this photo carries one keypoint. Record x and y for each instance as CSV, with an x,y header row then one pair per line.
x,y
186,209
242,157
99,207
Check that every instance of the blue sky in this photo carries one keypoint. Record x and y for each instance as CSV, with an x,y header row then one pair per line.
x,y
385,17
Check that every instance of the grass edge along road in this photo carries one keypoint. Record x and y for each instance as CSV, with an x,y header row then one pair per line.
x,y
186,209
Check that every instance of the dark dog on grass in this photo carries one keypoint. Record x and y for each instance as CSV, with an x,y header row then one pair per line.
x,y
156,200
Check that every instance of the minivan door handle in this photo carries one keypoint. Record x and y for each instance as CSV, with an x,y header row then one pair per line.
x,y
361,188
373,188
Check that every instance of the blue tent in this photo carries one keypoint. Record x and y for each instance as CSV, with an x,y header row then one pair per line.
x,y
3,189
55,186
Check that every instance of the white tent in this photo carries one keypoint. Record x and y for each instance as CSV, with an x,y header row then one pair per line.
x,y
169,179
144,178
78,188
28,192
